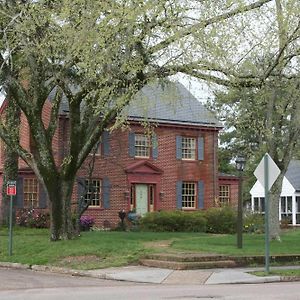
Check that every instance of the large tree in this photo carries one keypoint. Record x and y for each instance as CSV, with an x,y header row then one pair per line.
x,y
98,54
266,118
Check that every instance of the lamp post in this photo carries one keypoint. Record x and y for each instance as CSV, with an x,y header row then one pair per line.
x,y
240,165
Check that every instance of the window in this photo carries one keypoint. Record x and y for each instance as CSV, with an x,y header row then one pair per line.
x,y
224,194
93,192
259,204
286,209
96,149
142,145
30,190
188,147
189,195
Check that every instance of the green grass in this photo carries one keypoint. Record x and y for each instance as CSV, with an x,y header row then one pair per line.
x,y
104,249
288,272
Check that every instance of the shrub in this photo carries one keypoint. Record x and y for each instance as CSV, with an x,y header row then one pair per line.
x,y
221,220
253,222
173,221
86,223
33,218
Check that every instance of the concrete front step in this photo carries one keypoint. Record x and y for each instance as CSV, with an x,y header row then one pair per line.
x,y
186,257
185,261
177,265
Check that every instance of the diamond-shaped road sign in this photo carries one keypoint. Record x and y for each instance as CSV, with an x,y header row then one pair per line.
x,y
273,171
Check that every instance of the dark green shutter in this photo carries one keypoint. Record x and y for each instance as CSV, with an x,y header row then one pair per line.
x,y
131,146
42,197
154,146
179,194
200,148
81,188
106,192
105,142
200,194
20,193
178,147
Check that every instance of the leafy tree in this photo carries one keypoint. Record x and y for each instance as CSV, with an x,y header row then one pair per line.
x,y
98,54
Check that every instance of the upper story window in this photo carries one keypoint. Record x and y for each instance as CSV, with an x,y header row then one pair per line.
x,y
93,193
224,194
189,148
102,147
30,190
142,145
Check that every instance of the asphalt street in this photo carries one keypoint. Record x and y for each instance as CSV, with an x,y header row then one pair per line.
x,y
33,285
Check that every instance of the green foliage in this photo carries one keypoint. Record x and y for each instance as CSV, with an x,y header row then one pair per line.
x,y
221,220
174,221
32,218
253,222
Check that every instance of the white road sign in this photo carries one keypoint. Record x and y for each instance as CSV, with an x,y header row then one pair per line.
x,y
273,171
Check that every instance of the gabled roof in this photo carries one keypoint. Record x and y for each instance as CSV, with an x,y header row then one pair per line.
x,y
170,103
293,174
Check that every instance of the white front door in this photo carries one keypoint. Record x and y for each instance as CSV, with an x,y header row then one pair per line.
x,y
141,196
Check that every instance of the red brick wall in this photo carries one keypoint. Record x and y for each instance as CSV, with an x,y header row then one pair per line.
x,y
174,170
233,182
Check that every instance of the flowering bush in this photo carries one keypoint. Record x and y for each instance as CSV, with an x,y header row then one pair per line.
x,y
86,222
33,218
253,222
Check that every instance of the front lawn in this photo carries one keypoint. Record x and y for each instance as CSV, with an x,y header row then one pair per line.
x,y
98,249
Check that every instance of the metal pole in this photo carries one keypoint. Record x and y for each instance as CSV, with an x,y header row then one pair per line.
x,y
240,214
267,242
10,226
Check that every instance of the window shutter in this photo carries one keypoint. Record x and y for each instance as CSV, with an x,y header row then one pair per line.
x,y
200,148
200,194
81,189
105,142
178,147
42,197
179,194
20,194
106,192
131,142
154,146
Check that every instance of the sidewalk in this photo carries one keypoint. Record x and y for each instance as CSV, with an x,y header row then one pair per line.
x,y
193,277
144,274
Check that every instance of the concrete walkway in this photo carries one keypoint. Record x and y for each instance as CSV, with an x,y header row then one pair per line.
x,y
193,277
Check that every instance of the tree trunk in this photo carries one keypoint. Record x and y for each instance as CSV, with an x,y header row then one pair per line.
x,y
10,170
60,194
274,200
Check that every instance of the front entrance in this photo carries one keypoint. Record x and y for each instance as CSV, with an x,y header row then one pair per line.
x,y
141,198
144,198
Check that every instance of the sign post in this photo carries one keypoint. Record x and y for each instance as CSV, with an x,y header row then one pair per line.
x,y
266,173
11,190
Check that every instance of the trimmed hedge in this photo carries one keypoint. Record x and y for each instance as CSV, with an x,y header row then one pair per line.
x,y
221,220
173,221
213,220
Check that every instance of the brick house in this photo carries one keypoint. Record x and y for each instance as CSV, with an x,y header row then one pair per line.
x,y
173,166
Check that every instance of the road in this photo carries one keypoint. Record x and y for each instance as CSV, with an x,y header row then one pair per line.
x,y
31,285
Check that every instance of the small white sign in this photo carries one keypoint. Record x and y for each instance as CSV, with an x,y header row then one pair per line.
x,y
273,171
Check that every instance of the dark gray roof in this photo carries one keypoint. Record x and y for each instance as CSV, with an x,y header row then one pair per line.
x,y
64,105
170,103
293,174
167,103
